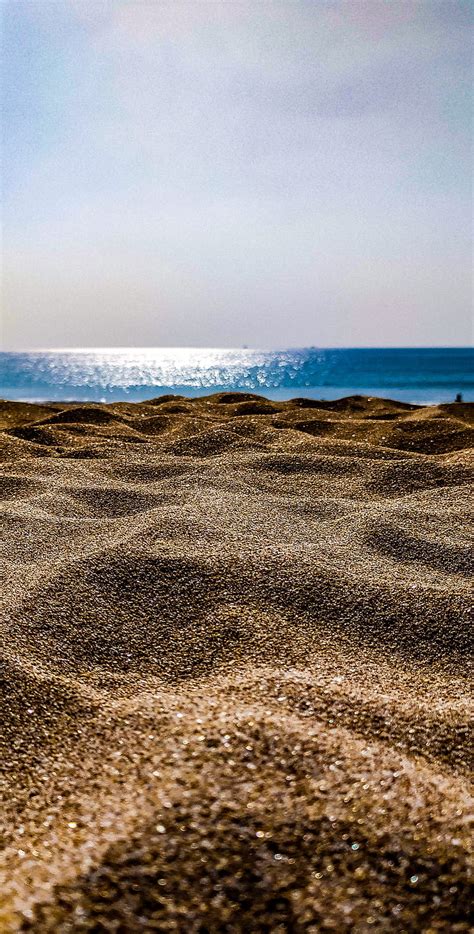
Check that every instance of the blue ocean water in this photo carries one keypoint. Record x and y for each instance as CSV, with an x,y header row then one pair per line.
x,y
427,375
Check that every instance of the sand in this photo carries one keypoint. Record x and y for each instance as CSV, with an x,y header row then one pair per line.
x,y
236,654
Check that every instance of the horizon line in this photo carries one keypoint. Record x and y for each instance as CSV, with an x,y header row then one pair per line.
x,y
163,347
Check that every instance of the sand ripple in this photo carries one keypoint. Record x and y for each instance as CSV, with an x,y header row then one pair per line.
x,y
236,650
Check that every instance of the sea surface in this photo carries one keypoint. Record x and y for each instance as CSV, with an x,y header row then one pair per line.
x,y
416,375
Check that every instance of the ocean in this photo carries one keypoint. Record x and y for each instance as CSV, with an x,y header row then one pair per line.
x,y
426,375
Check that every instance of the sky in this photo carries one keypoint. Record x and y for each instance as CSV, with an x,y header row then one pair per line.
x,y
265,173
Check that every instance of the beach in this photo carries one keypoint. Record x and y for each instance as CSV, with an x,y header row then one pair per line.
x,y
236,643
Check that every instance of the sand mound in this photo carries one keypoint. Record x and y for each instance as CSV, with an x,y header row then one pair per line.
x,y
87,414
236,654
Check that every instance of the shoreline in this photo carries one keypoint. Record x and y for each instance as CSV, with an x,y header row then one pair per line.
x,y
284,394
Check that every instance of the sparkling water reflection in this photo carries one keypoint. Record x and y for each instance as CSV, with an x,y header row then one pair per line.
x,y
421,375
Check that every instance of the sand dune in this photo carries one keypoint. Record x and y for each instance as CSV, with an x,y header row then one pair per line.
x,y
236,647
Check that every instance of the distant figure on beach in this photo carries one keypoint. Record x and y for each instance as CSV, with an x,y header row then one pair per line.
x,y
458,397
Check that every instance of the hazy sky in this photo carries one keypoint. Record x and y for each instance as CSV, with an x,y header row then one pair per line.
x,y
228,173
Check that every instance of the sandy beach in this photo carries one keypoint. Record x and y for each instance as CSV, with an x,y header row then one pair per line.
x,y
236,666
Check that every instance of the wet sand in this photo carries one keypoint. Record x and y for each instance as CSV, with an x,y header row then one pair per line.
x,y
236,648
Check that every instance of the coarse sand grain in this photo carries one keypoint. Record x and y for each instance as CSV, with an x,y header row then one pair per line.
x,y
236,645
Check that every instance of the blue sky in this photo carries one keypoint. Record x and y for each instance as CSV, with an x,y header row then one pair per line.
x,y
227,173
